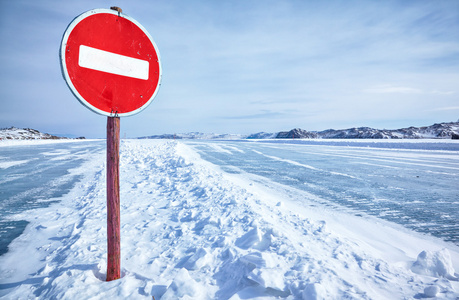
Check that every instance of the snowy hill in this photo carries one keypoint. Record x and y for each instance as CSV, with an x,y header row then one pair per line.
x,y
297,133
14,133
262,135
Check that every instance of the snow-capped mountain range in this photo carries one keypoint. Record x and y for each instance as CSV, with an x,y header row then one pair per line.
x,y
436,131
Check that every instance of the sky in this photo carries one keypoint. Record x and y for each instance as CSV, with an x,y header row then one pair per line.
x,y
248,66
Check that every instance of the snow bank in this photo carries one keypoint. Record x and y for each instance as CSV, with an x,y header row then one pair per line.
x,y
435,264
189,231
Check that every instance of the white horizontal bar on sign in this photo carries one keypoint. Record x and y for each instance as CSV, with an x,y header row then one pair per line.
x,y
104,61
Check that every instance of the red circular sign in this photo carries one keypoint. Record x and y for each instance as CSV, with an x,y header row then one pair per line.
x,y
110,63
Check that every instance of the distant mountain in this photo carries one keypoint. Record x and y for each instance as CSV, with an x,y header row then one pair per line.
x,y
436,131
262,135
196,135
297,133
14,133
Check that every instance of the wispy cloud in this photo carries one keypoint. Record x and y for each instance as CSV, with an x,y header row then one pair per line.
x,y
262,115
450,108
389,89
300,63
443,93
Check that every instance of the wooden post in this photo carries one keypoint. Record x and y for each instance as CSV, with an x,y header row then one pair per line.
x,y
113,199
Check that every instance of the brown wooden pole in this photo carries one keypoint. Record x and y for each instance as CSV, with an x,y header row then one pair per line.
x,y
113,199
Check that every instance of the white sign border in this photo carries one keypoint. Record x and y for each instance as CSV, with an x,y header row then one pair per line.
x,y
69,82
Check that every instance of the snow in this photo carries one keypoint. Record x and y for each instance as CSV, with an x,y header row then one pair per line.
x,y
435,264
9,164
191,231
32,142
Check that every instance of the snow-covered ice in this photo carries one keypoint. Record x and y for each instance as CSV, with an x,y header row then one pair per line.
x,y
191,231
412,183
36,174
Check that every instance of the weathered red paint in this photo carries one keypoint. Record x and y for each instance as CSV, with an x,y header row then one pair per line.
x,y
113,199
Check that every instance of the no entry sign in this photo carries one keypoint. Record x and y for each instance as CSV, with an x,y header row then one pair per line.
x,y
110,63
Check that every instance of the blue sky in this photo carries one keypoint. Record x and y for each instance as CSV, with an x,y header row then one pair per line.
x,y
248,66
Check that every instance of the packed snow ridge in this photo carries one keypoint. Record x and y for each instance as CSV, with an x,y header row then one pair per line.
x,y
191,231
14,133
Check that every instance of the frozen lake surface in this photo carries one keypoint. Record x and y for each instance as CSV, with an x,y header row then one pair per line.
x,y
35,176
233,220
412,183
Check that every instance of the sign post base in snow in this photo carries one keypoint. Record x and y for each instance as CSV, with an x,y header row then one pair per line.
x,y
112,66
113,199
